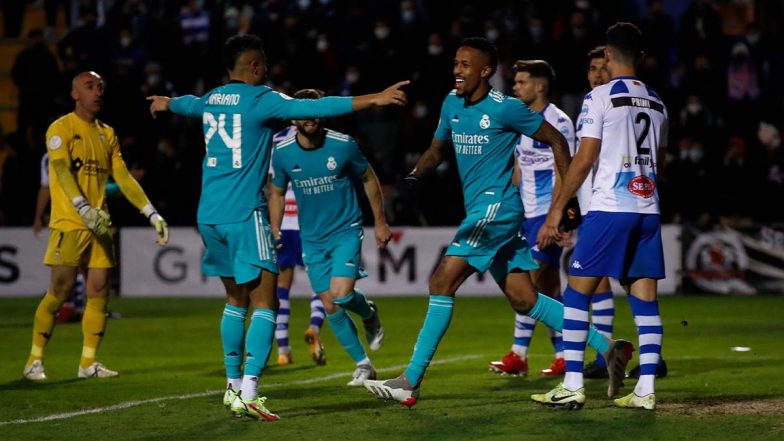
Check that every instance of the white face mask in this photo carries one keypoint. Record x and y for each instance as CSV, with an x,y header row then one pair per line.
x,y
434,49
407,16
381,32
693,108
492,34
420,111
322,44
695,154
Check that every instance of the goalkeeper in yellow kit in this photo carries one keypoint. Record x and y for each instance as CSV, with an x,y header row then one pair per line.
x,y
83,152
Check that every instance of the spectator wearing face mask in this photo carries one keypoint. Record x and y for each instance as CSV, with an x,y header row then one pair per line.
x,y
693,194
696,120
743,91
739,181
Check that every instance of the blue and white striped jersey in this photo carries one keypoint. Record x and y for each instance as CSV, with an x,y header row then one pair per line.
x,y
537,164
631,121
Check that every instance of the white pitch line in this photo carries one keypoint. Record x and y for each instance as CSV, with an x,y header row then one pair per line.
x,y
135,403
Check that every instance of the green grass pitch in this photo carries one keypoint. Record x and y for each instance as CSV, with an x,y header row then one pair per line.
x,y
171,375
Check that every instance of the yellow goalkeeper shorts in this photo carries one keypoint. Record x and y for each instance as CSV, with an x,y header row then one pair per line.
x,y
79,248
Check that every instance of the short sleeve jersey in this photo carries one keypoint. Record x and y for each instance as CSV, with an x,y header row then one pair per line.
x,y
630,120
537,164
91,150
484,135
238,143
321,180
290,220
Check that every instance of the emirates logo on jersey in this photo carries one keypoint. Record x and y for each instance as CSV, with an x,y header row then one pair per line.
x,y
642,186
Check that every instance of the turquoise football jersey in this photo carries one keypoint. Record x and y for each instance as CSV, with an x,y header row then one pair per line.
x,y
321,179
484,136
238,143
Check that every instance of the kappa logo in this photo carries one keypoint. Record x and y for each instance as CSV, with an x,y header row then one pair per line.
x,y
331,163
576,265
485,121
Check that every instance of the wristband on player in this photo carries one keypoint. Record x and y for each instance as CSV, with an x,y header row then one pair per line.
x,y
94,219
81,204
157,222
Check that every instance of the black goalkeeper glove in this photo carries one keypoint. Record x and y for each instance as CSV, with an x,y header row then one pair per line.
x,y
410,182
572,218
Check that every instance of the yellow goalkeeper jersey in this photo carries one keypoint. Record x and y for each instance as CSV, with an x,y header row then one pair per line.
x,y
92,151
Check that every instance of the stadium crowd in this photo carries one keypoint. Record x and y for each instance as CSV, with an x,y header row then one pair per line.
x,y
717,64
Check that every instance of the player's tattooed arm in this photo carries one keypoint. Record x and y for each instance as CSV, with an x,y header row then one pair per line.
x,y
550,135
430,159
550,232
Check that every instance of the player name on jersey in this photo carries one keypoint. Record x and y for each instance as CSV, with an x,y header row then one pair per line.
x,y
224,99
631,101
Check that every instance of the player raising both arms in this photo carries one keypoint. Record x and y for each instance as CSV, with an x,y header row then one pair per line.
x,y
232,213
484,126
623,125
538,179
320,163
83,152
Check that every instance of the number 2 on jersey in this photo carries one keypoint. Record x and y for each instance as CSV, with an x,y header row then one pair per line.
x,y
234,142
646,120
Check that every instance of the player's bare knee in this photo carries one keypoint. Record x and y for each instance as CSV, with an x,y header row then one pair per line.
x,y
441,285
330,307
521,301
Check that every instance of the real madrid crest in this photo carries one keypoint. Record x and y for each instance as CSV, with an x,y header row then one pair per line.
x,y
331,163
485,121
